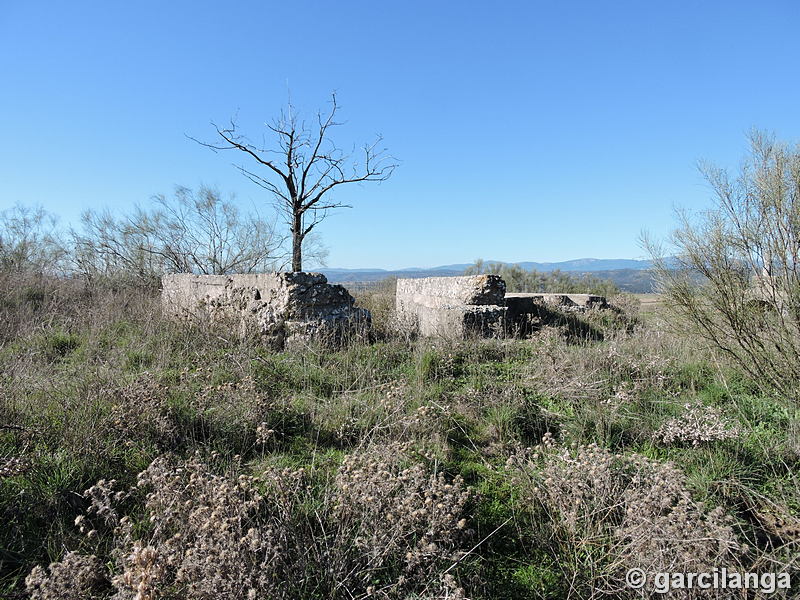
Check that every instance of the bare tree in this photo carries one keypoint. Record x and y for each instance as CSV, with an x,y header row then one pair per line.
x,y
303,168
204,233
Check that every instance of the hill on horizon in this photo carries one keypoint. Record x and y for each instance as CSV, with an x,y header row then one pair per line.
x,y
630,275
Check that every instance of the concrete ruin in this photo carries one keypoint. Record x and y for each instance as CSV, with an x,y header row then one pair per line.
x,y
288,309
458,307
284,309
519,304
452,306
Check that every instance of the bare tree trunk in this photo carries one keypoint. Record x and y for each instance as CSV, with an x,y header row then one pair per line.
x,y
297,243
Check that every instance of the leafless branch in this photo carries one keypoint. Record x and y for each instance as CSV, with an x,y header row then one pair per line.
x,y
307,167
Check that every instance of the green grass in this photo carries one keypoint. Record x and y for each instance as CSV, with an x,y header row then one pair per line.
x,y
101,398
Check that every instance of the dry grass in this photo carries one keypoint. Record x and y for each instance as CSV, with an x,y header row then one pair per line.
x,y
397,468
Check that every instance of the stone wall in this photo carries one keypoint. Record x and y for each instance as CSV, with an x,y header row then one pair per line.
x,y
452,306
282,308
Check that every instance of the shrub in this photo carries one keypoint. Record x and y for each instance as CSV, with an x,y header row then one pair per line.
x,y
735,279
383,526
606,513
75,577
698,424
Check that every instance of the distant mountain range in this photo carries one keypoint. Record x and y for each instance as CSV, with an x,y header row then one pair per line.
x,y
629,274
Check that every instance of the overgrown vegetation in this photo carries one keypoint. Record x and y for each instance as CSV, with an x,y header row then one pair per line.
x,y
190,232
143,459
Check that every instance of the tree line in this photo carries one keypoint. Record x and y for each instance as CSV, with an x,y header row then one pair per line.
x,y
200,231
191,231
519,279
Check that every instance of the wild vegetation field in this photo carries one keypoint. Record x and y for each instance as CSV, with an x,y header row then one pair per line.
x,y
142,458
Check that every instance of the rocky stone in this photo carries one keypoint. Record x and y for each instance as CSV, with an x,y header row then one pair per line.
x,y
284,309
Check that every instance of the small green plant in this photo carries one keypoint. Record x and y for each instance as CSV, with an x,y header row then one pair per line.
x,y
59,344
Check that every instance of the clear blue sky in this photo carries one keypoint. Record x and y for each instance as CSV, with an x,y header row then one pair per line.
x,y
535,130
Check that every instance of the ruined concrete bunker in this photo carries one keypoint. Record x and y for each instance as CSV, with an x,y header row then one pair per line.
x,y
283,309
286,309
478,305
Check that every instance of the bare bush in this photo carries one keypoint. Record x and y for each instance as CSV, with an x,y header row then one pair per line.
x,y
735,279
421,513
610,512
698,424
30,242
193,232
206,535
75,577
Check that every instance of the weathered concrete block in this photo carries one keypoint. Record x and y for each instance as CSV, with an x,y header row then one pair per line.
x,y
441,291
283,308
453,307
458,307
461,321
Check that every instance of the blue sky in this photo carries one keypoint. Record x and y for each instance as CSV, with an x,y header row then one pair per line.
x,y
539,131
